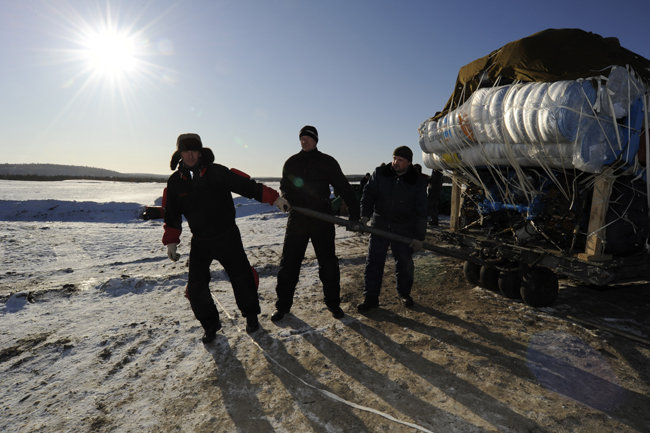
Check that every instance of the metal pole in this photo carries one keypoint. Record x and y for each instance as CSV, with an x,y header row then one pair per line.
x,y
361,228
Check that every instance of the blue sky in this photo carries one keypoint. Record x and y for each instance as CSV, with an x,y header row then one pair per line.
x,y
247,75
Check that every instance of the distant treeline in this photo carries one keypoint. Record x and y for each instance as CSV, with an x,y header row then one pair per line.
x,y
123,178
35,177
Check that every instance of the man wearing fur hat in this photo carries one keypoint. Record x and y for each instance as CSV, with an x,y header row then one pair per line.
x,y
396,199
202,191
306,180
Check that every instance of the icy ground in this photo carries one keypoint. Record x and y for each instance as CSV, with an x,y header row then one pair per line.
x,y
82,275
96,335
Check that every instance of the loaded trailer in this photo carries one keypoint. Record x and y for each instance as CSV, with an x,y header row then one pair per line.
x,y
545,140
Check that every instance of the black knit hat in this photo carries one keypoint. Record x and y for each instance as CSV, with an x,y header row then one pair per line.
x,y
309,131
188,141
404,152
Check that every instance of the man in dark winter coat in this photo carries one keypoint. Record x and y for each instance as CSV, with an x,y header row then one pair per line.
x,y
396,199
306,180
202,191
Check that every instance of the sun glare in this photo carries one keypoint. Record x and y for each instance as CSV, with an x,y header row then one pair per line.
x,y
110,53
108,48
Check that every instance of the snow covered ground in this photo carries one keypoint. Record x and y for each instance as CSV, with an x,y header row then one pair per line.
x,y
82,273
96,335
87,290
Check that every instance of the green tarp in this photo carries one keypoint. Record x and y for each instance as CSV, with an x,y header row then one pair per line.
x,y
546,56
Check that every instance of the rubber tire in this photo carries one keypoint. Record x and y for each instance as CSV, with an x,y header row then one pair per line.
x,y
510,284
472,273
489,278
539,287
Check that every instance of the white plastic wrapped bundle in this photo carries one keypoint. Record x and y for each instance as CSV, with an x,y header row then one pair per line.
x,y
531,111
513,113
597,143
486,114
451,132
429,161
437,162
430,132
620,92
543,114
564,106
423,135
496,154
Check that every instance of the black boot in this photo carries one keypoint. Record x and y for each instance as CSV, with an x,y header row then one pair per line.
x,y
367,305
278,315
406,300
211,332
337,312
252,324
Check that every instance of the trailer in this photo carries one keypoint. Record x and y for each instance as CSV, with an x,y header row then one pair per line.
x,y
545,140
531,272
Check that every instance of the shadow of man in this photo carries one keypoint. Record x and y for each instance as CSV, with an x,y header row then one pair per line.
x,y
239,395
323,413
392,392
480,403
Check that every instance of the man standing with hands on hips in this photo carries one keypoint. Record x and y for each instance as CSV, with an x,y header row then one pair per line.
x,y
395,198
202,191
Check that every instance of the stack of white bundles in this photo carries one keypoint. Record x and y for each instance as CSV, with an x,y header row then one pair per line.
x,y
538,113
560,155
543,115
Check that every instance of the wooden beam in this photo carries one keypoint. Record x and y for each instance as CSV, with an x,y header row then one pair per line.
x,y
454,216
596,239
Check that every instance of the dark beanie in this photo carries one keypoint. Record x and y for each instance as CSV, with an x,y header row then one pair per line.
x,y
188,141
309,131
404,152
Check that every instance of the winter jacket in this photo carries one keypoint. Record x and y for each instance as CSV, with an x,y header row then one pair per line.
x,y
204,196
396,203
306,180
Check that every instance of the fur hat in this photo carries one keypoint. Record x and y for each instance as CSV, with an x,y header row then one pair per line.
x,y
309,131
207,157
188,141
404,152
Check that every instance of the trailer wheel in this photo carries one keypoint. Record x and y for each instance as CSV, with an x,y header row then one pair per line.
x,y
489,278
472,272
510,284
539,287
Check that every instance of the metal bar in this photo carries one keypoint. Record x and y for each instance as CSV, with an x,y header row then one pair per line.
x,y
361,228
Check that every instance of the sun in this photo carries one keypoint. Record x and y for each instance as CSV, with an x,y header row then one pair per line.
x,y
110,53
105,46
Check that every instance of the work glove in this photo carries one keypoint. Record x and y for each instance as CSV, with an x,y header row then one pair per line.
x,y
282,204
364,220
353,226
171,252
416,245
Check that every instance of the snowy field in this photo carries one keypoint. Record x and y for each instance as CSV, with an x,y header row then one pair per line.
x,y
81,272
97,336
95,325
72,232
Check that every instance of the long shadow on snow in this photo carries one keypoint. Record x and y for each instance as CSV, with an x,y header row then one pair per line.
x,y
238,393
557,375
383,387
493,411
321,412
